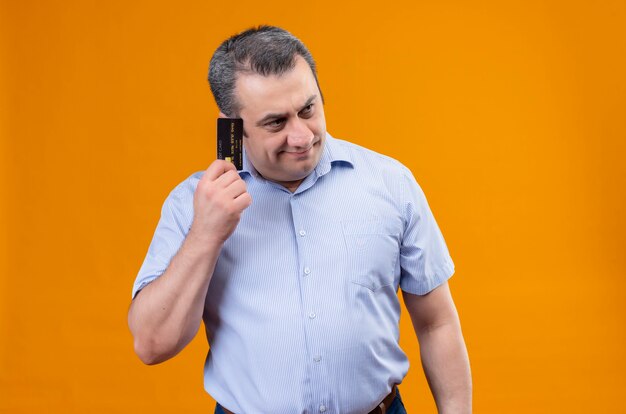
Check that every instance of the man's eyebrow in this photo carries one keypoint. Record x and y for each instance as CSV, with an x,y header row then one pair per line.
x,y
270,117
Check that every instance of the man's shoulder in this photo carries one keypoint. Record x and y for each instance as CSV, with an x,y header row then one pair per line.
x,y
185,190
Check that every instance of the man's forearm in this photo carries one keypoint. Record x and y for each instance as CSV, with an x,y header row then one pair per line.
x,y
166,315
446,365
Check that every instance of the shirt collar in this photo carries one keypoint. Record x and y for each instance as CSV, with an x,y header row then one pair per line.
x,y
333,153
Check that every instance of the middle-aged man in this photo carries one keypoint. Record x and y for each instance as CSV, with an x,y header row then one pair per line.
x,y
295,261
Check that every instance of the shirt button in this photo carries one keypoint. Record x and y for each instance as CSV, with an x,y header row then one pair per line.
x,y
317,358
322,408
307,271
312,315
302,233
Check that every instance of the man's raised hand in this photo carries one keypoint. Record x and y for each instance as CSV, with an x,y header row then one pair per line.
x,y
218,202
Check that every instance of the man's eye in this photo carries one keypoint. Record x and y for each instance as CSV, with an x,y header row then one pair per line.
x,y
275,123
307,110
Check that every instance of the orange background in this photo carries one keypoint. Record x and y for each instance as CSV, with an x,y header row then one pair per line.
x,y
512,116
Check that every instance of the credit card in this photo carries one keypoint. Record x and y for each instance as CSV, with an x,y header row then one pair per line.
x,y
229,140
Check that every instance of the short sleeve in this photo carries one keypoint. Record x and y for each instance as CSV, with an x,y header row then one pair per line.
x,y
173,226
425,262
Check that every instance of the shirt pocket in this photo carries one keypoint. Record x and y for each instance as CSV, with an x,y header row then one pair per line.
x,y
372,253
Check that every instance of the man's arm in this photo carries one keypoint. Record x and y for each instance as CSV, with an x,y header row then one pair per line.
x,y
165,316
442,348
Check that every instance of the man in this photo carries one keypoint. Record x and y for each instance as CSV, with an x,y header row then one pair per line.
x,y
294,262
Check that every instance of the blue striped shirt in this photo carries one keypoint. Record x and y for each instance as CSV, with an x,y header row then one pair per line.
x,y
302,311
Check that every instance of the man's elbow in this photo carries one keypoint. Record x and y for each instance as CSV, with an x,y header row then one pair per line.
x,y
442,325
149,347
148,352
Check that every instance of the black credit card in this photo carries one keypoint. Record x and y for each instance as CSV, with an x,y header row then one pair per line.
x,y
229,140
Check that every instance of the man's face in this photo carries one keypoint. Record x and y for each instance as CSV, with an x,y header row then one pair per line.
x,y
284,124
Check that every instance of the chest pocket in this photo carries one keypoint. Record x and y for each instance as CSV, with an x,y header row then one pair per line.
x,y
372,252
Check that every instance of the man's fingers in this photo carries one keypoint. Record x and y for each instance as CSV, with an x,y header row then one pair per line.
x,y
236,188
243,201
227,178
217,168
223,177
222,185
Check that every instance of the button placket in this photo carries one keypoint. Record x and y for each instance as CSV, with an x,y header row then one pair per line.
x,y
310,306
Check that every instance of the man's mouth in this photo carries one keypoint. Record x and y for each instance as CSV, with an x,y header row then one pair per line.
x,y
299,153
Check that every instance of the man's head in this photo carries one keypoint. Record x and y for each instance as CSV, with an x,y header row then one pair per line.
x,y
266,50
267,77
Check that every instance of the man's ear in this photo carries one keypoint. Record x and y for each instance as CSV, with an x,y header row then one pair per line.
x,y
221,115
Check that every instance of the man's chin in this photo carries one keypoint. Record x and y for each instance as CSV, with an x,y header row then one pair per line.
x,y
298,175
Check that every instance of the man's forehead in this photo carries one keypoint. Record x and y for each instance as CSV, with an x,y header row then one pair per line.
x,y
276,93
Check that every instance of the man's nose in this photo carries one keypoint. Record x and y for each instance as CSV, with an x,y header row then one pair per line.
x,y
299,134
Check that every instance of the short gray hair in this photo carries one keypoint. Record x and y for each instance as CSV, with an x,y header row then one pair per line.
x,y
265,50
